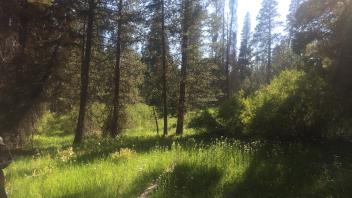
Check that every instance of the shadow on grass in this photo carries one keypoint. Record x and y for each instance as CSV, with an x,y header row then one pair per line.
x,y
96,148
296,171
189,180
137,187
93,149
276,170
87,193
142,183
186,180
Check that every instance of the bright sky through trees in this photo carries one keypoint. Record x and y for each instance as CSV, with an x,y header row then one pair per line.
x,y
253,7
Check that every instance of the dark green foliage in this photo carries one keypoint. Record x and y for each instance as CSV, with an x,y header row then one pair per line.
x,y
226,118
201,72
34,40
202,89
205,120
245,54
201,179
131,79
284,58
230,112
265,36
153,58
216,59
323,36
278,171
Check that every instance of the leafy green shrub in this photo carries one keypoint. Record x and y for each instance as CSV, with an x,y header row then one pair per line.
x,y
229,113
226,118
206,119
294,105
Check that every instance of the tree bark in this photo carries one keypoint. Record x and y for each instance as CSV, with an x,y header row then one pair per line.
x,y
164,67
156,121
184,48
116,98
85,75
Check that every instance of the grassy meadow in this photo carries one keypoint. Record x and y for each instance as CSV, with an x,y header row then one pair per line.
x,y
195,165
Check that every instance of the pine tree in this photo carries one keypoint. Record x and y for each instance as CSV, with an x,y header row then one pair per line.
x,y
231,46
215,23
85,73
164,63
155,56
244,58
264,35
186,23
291,19
196,72
125,69
35,40
233,31
217,53
116,96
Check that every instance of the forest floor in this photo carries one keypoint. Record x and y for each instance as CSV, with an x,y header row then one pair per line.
x,y
195,165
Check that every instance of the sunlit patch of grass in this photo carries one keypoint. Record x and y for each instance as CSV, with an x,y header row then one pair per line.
x,y
50,141
124,170
99,178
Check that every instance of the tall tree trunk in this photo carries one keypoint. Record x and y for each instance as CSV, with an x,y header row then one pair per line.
x,y
156,120
184,46
164,66
85,75
83,47
116,98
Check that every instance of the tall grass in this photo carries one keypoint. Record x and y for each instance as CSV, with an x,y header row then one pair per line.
x,y
192,166
195,165
122,168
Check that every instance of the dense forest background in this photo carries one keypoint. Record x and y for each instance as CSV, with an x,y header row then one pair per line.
x,y
87,62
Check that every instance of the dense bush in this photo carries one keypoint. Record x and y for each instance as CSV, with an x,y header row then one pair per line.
x,y
294,105
205,119
229,114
